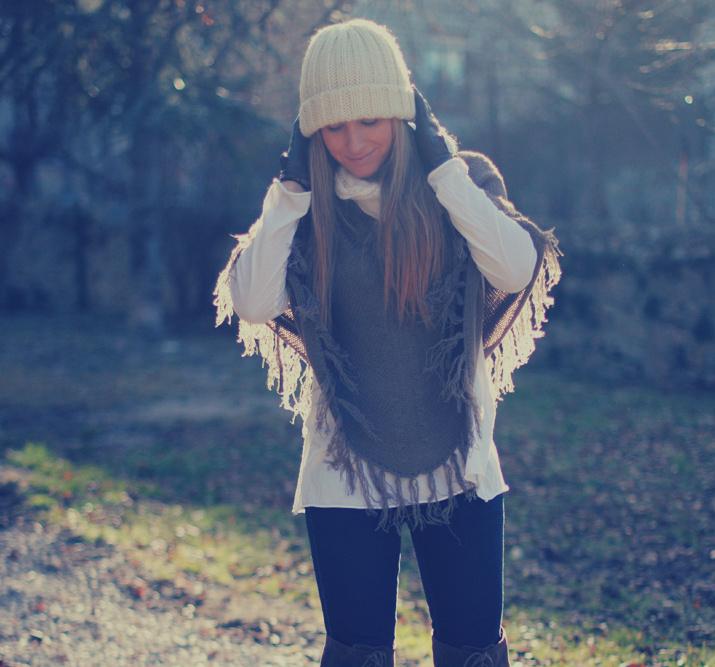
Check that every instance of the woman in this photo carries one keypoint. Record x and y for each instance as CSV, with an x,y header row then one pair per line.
x,y
385,284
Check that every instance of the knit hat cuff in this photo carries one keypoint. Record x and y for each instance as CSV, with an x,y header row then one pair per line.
x,y
356,102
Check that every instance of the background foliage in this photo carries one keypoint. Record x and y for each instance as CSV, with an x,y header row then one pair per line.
x,y
134,137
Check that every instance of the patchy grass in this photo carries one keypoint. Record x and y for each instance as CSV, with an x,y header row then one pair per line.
x,y
256,551
174,451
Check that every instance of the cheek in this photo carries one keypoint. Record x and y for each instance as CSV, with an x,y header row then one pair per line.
x,y
331,143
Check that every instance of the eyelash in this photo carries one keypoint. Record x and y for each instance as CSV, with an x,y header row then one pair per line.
x,y
368,123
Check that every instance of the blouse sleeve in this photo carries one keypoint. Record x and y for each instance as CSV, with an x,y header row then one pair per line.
x,y
257,277
501,248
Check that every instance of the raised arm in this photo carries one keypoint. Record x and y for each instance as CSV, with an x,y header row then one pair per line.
x,y
501,248
257,277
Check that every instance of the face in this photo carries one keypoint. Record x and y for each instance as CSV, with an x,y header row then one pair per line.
x,y
360,146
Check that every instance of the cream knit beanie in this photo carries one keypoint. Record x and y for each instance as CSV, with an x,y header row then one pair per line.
x,y
353,70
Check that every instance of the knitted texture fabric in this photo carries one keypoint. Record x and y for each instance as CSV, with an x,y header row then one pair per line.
x,y
299,351
399,395
410,430
353,70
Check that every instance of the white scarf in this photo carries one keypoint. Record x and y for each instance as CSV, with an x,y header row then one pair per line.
x,y
365,193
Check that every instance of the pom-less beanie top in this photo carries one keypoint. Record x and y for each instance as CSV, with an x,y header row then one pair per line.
x,y
353,70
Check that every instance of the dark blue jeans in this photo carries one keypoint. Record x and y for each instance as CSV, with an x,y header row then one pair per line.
x,y
462,569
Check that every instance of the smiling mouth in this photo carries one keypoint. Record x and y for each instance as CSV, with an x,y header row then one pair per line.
x,y
360,159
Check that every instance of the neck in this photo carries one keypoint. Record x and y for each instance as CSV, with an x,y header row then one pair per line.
x,y
365,192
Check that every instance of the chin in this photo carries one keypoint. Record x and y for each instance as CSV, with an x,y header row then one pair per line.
x,y
366,172
362,173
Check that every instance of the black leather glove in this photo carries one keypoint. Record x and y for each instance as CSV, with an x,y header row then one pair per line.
x,y
294,161
434,145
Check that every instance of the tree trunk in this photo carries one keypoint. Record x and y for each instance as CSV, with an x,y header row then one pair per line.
x,y
146,309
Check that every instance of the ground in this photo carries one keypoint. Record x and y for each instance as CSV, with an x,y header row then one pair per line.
x,y
145,504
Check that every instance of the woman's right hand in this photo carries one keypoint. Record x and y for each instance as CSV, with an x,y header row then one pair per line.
x,y
294,161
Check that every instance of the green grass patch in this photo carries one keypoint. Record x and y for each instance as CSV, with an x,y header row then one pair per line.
x,y
257,550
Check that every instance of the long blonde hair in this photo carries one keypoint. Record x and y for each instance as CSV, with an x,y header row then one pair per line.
x,y
410,228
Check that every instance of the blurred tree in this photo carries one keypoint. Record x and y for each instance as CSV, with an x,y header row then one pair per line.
x,y
117,91
628,71
599,91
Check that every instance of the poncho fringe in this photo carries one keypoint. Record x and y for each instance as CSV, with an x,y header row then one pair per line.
x,y
516,322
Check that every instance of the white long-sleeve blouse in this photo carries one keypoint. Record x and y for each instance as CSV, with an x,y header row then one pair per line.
x,y
503,252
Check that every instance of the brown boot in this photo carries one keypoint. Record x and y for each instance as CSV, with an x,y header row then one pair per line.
x,y
337,654
494,655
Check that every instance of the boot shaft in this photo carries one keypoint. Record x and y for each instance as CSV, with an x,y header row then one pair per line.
x,y
337,654
494,655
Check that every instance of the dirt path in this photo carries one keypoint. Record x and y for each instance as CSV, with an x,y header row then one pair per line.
x,y
66,601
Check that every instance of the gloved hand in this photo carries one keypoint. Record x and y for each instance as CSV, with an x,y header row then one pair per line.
x,y
294,161
434,145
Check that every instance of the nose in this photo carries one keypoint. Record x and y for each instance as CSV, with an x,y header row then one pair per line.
x,y
355,140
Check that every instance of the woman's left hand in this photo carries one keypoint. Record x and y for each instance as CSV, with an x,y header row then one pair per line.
x,y
434,145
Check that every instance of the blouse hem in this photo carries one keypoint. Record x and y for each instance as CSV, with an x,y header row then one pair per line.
x,y
301,509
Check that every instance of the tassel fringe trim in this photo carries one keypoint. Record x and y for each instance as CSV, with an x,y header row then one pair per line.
x,y
517,345
288,372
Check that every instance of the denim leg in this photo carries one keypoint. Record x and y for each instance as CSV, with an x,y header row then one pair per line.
x,y
462,572
357,571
